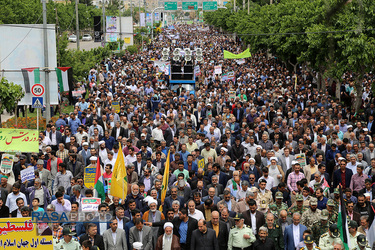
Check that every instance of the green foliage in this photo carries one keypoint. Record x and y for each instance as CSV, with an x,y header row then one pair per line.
x,y
10,95
132,49
30,12
329,36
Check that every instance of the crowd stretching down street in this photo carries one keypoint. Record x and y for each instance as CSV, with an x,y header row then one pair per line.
x,y
260,157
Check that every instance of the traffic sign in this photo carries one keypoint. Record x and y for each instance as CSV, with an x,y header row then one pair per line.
x,y
170,5
37,102
37,90
189,5
212,5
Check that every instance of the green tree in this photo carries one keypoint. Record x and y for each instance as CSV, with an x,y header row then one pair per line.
x,y
10,95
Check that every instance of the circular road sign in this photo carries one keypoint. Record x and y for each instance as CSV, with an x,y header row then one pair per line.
x,y
37,90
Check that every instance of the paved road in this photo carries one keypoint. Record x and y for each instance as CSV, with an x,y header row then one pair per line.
x,y
85,45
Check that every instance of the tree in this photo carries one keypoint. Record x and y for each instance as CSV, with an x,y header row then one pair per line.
x,y
10,95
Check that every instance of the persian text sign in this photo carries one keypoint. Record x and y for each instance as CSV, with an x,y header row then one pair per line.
x,y
7,163
89,176
17,233
19,140
90,204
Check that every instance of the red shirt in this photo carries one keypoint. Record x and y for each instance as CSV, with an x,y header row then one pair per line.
x,y
343,179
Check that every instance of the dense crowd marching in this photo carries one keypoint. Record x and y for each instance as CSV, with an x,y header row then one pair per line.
x,y
253,192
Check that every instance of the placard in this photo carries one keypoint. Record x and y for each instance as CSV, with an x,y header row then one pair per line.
x,y
201,163
89,177
22,233
116,106
218,70
27,174
7,163
232,94
301,159
90,204
19,140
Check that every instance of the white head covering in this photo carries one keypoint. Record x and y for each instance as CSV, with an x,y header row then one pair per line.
x,y
101,142
150,201
137,245
168,224
93,158
225,150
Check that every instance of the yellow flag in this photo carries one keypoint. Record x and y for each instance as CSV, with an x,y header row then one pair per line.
x,y
164,186
229,55
119,183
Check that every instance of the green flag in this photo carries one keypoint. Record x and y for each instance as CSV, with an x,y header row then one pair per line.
x,y
229,55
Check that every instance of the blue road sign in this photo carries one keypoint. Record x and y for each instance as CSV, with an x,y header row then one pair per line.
x,y
37,102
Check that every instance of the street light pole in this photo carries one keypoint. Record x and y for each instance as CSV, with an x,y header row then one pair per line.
x,y
152,21
46,70
103,21
77,24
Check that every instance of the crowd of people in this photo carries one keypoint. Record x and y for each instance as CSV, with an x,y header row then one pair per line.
x,y
275,155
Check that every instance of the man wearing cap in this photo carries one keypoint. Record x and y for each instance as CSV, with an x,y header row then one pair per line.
x,y
68,243
353,234
362,243
241,236
309,243
328,240
298,206
332,214
320,227
312,215
279,202
168,241
264,196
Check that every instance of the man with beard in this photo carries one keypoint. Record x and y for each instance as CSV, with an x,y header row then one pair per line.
x,y
263,242
168,241
204,238
362,207
135,196
237,151
312,215
12,197
275,232
103,152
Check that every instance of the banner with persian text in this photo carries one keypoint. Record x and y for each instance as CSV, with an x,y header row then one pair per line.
x,y
17,233
19,140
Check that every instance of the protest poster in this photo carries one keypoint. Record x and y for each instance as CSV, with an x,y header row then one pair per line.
x,y
89,176
27,174
218,70
19,140
116,106
232,94
17,233
90,204
301,159
201,163
7,163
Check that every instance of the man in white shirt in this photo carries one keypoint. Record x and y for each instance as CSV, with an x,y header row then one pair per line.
x,y
131,157
270,180
157,133
12,197
61,204
194,213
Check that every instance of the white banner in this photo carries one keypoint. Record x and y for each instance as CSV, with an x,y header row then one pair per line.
x,y
142,22
163,66
27,174
218,70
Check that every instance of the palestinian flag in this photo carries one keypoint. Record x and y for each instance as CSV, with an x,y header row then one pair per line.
x,y
65,78
99,182
31,76
342,223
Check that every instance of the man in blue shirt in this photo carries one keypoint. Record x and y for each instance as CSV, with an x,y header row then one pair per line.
x,y
183,153
74,123
322,201
109,140
183,227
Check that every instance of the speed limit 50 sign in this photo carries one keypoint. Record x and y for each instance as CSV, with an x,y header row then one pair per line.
x,y
37,90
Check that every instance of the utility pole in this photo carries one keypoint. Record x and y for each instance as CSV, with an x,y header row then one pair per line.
x,y
103,21
46,70
77,24
234,6
119,13
248,7
58,37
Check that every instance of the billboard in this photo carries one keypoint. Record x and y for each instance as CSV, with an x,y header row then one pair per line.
x,y
21,46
